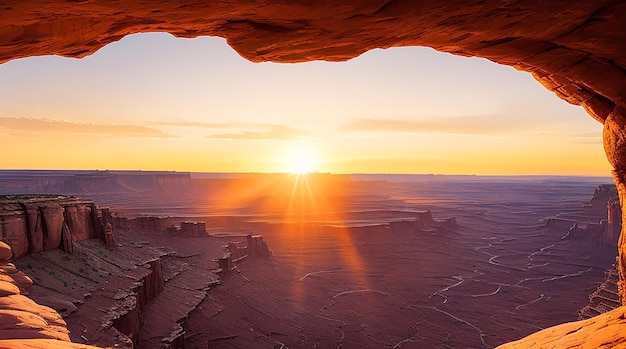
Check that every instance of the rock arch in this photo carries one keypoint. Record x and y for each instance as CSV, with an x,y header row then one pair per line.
x,y
574,48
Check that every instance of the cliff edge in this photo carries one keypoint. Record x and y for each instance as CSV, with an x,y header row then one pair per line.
x,y
24,323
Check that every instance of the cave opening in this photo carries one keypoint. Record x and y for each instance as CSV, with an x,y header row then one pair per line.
x,y
576,53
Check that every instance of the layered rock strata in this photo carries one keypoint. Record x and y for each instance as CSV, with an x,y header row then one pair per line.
x,y
605,298
31,224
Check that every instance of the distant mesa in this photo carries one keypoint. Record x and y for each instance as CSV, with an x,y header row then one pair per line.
x,y
605,202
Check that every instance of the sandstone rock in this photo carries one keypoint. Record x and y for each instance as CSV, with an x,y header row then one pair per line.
x,y
236,252
193,229
603,331
22,281
34,223
77,217
61,306
22,303
576,46
34,228
614,223
575,49
67,243
52,215
20,317
16,324
5,253
41,344
8,268
151,224
15,233
96,224
257,247
8,288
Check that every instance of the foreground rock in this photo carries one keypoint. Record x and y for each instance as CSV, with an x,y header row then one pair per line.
x,y
603,331
24,323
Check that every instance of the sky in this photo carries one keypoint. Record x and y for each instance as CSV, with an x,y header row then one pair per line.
x,y
155,102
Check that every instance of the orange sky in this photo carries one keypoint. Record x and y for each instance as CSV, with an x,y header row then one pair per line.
x,y
153,102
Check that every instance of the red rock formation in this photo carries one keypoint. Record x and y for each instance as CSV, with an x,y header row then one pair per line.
x,y
574,49
14,231
236,251
21,318
150,283
191,229
604,298
603,331
614,223
254,247
257,247
33,224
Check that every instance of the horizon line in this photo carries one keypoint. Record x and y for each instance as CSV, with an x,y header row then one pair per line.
x,y
312,172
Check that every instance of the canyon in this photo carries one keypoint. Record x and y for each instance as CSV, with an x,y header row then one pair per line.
x,y
476,268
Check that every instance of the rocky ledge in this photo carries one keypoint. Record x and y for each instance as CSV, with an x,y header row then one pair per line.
x,y
24,323
603,331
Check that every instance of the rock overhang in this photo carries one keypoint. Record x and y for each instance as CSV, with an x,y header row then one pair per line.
x,y
573,48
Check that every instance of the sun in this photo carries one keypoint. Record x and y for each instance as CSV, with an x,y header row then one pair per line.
x,y
301,160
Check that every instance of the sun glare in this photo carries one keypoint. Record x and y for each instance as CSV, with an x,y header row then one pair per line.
x,y
301,160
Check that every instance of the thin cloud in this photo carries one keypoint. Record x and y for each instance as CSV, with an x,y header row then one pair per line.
x,y
278,132
471,125
195,124
588,137
576,137
37,126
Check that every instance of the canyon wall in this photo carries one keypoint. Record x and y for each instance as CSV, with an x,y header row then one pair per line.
x,y
31,224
